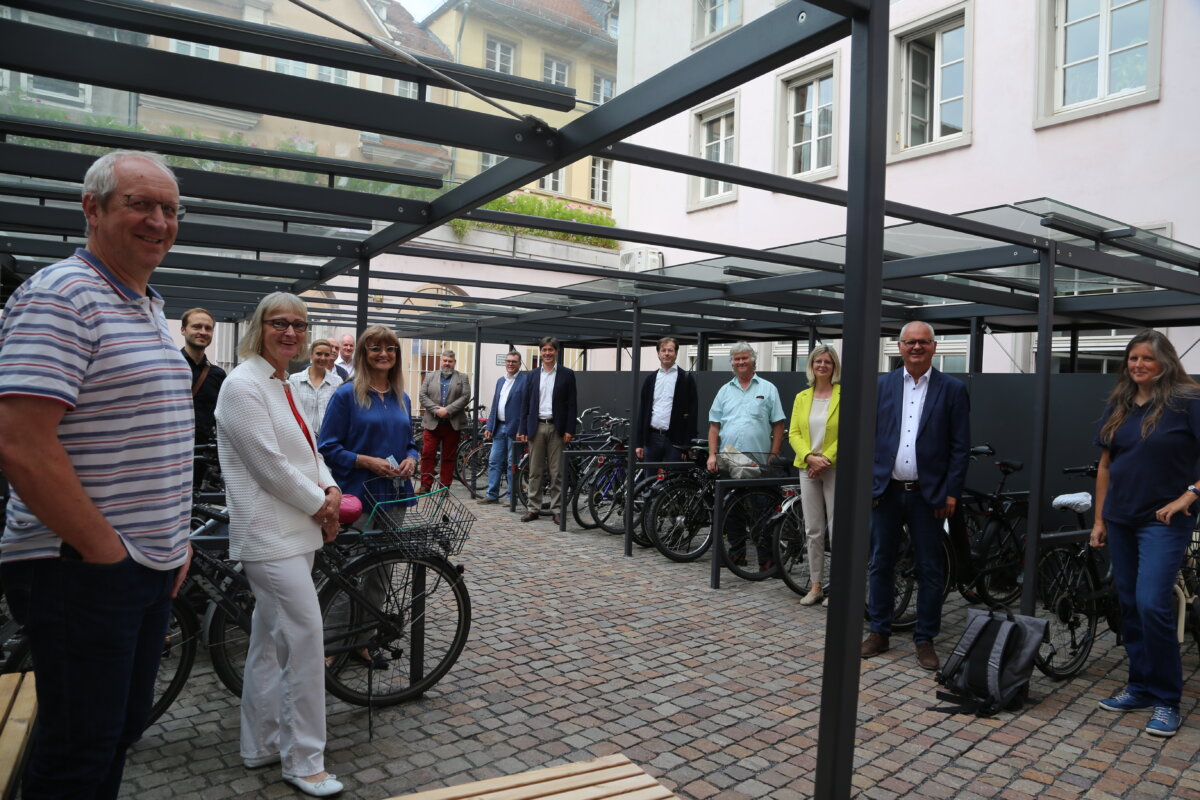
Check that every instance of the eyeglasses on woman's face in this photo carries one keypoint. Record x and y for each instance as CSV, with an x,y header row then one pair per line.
x,y
390,349
280,324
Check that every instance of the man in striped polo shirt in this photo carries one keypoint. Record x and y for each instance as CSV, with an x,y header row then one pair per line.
x,y
96,441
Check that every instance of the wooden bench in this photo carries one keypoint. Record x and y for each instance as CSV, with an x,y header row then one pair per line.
x,y
18,707
612,776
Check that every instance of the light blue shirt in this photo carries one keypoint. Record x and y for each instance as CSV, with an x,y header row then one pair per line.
x,y
747,415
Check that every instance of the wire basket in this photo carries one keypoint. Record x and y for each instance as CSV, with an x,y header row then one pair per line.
x,y
435,522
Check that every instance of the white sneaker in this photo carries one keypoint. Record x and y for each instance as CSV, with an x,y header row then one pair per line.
x,y
813,597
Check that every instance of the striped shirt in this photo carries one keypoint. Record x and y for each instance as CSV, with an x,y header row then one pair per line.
x,y
74,333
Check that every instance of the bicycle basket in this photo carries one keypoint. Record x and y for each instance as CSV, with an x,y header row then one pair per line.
x,y
434,522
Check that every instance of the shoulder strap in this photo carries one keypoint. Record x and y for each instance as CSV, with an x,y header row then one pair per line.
x,y
200,380
965,643
994,658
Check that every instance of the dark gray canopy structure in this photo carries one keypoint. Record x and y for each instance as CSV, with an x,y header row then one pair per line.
x,y
1001,267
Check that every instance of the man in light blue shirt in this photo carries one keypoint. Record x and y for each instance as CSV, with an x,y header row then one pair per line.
x,y
746,414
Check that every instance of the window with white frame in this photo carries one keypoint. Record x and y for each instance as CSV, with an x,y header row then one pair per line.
x,y
810,145
286,66
555,71
603,87
601,178
1097,56
613,24
333,75
933,105
489,160
193,49
409,89
715,16
552,182
60,92
499,56
715,139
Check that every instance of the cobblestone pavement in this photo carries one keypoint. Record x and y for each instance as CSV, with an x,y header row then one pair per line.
x,y
577,651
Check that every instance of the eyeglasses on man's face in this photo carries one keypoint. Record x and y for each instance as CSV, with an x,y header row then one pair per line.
x,y
280,324
916,342
146,205
390,349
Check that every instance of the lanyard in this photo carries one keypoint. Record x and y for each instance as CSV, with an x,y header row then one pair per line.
x,y
287,390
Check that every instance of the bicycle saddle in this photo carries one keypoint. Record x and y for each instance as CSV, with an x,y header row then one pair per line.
x,y
1008,467
1079,502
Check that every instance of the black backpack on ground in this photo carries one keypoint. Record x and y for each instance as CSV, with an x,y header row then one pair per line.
x,y
992,663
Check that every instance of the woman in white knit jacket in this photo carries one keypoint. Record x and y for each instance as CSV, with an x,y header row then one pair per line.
x,y
282,504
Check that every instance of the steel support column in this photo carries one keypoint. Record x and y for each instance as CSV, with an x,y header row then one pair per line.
x,y
364,296
976,346
635,408
796,352
478,363
1041,426
1073,359
701,364
860,348
621,341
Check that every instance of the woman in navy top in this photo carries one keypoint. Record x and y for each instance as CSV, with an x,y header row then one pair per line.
x,y
369,418
1145,488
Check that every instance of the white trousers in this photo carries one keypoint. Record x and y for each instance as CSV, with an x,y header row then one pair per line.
x,y
283,698
816,499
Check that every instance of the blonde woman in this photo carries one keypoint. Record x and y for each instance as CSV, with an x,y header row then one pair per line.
x,y
813,435
314,386
283,504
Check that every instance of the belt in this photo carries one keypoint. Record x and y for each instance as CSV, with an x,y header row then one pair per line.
x,y
545,419
904,486
660,430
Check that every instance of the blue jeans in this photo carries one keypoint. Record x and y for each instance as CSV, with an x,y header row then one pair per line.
x,y
96,634
894,508
498,458
1145,559
659,448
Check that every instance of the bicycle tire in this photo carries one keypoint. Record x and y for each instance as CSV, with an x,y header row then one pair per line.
x,y
441,610
750,555
1066,597
681,520
904,610
1000,580
178,656
789,543
475,468
606,498
228,642
579,509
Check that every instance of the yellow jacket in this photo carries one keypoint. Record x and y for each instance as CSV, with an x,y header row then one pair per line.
x,y
798,434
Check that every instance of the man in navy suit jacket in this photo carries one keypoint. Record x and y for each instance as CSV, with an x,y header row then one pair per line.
x,y
503,422
548,424
922,441
667,414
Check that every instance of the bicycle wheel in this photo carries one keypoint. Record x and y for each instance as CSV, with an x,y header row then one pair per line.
x,y
178,656
1066,597
1000,579
413,629
790,546
579,499
228,644
681,520
606,498
475,468
747,534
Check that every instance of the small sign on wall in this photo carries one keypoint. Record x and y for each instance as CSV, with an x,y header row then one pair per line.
x,y
500,359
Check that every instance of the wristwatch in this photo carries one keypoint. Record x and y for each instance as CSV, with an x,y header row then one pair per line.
x,y
1192,488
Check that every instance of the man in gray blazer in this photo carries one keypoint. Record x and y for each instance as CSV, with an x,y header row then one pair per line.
x,y
444,398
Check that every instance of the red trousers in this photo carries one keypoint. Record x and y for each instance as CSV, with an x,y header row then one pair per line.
x,y
446,437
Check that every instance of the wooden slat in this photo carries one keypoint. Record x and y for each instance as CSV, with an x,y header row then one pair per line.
x,y
19,699
612,776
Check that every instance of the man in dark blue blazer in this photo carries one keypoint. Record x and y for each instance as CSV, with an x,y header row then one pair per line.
x,y
503,423
666,421
922,441
547,424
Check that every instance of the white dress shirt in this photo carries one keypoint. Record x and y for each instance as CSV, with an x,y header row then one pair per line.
x,y
546,397
504,392
915,389
664,397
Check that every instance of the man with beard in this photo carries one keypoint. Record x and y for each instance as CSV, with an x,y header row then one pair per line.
x,y
444,396
197,326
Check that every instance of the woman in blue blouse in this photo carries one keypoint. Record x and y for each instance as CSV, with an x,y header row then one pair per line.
x,y
370,418
1145,488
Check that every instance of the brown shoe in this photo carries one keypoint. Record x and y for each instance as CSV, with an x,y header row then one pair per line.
x,y
484,501
530,516
927,656
557,518
874,644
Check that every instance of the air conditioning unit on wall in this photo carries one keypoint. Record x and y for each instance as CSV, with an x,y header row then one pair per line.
x,y
641,259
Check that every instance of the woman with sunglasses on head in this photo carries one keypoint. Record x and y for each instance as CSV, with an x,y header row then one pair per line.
x,y
283,504
369,418
315,385
1146,487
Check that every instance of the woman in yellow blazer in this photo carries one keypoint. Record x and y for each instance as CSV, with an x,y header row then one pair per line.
x,y
813,435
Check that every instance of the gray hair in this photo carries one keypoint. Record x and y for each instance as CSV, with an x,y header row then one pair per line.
x,y
912,322
100,181
450,353
251,343
743,347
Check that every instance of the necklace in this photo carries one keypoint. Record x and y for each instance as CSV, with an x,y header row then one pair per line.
x,y
384,390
